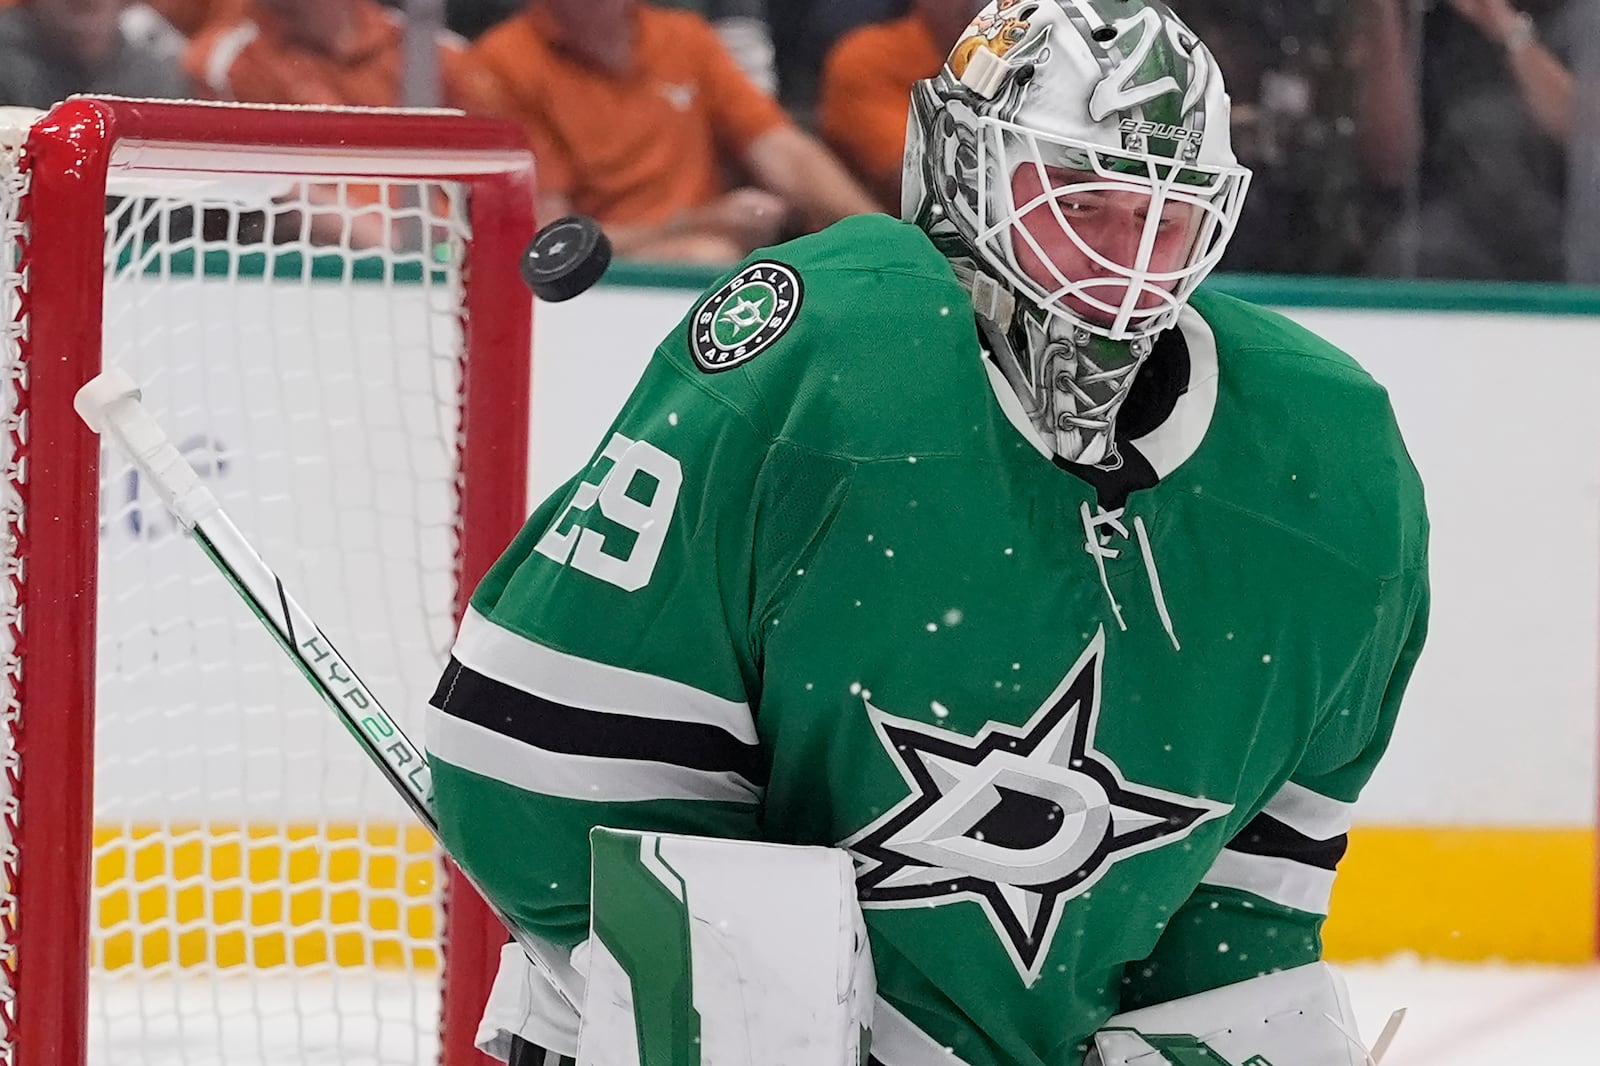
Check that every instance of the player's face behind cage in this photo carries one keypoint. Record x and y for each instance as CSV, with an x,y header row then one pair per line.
x,y
1083,240
1116,240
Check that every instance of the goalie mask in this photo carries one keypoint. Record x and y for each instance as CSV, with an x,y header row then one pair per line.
x,y
1073,161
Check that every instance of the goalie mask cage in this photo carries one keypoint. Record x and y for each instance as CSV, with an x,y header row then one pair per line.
x,y
323,309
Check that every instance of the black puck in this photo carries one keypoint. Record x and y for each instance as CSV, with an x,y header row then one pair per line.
x,y
565,258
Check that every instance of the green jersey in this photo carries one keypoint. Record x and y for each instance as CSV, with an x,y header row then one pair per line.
x,y
1092,737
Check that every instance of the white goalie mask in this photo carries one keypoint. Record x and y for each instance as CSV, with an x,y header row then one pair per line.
x,y
1073,159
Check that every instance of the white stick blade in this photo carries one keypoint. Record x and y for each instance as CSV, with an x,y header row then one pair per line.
x,y
110,405
95,399
1385,1038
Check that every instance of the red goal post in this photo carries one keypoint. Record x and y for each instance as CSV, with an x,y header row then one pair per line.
x,y
81,275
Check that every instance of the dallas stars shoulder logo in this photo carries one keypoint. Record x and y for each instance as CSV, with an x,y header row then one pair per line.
x,y
745,317
1017,819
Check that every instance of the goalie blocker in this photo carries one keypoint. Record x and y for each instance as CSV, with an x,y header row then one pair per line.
x,y
732,953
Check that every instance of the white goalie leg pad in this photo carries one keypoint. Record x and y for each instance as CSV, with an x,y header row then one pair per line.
x,y
1298,1017
724,952
523,1003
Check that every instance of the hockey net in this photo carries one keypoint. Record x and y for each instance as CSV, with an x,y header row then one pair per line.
x,y
322,309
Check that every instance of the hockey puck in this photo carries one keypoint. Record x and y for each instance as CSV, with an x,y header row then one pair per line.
x,y
565,258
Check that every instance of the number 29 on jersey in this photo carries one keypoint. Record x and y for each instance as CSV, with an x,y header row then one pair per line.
x,y
614,528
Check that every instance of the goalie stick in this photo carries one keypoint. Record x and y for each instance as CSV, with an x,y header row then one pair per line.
x,y
110,405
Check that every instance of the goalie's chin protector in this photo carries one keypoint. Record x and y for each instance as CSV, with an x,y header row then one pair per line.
x,y
1298,1017
725,952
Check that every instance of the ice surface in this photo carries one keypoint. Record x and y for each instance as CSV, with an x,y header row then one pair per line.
x,y
1458,1015
1462,1015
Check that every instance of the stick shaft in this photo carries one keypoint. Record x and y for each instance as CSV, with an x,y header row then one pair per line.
x,y
110,404
359,711
340,687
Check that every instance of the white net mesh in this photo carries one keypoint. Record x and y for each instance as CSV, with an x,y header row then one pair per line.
x,y
240,835
13,185
260,895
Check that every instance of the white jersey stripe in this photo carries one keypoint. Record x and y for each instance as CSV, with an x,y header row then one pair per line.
x,y
1309,813
580,777
1281,881
572,681
896,1040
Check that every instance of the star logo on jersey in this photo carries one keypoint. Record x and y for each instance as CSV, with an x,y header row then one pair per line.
x,y
1018,819
745,317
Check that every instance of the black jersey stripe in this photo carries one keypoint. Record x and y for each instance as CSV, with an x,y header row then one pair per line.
x,y
1267,836
523,716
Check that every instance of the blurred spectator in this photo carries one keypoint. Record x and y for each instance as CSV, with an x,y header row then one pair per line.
x,y
1497,108
471,17
326,52
742,25
1323,101
335,52
1583,153
805,31
50,49
865,95
636,112
144,25
1382,53
192,17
